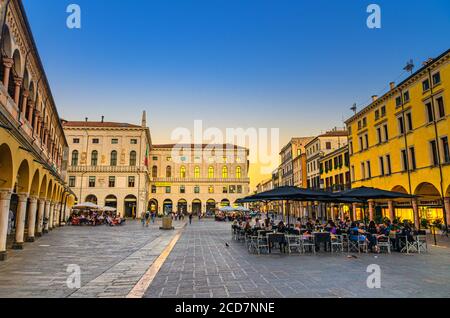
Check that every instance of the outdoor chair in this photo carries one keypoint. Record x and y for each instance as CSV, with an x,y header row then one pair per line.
x,y
262,242
422,245
384,243
294,243
252,244
409,245
360,245
308,244
337,243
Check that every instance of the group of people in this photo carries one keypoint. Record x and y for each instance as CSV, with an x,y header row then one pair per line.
x,y
148,216
356,231
95,218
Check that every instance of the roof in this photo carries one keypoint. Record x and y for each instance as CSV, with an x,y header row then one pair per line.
x,y
224,146
97,124
336,133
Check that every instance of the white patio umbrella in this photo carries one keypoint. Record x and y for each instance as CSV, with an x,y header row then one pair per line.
x,y
86,206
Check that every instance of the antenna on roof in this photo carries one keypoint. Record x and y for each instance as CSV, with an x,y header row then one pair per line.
x,y
353,108
409,66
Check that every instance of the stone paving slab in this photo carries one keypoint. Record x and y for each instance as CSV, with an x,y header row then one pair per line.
x,y
112,260
200,265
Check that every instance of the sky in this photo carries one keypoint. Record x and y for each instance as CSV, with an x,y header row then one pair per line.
x,y
289,64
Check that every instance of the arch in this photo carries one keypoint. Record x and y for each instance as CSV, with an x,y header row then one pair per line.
x,y
196,207
154,172
169,172
238,172
34,190
427,190
50,190
211,172
94,158
224,172
210,205
75,155
153,205
7,42
225,202
26,79
17,63
399,188
43,188
23,178
6,167
113,158
130,205
111,201
167,206
182,206
133,158
91,198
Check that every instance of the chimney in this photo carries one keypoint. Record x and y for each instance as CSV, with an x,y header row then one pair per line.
x,y
103,119
392,85
86,119
374,98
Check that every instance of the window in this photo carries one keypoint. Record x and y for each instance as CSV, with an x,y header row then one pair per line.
x,y
238,172
377,114
359,125
183,172
353,173
441,107
133,141
328,145
366,136
197,172
409,122
182,189
76,140
401,125
72,181
95,141
381,166
75,158
211,172
430,115
361,144
388,165
94,158
436,78
239,189
426,85
91,182
154,172
224,172
210,189
155,158
114,141
168,190
412,156
386,133
434,153
196,189
398,101
404,160
232,189
406,96
168,158
112,182
153,189
445,149
364,122
383,111
168,172
131,181
113,161
350,146
379,135
369,170
224,189
133,159
363,171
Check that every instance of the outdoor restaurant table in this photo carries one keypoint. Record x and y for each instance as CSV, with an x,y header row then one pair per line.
x,y
275,238
322,237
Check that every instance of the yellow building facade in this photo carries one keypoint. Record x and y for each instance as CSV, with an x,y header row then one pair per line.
x,y
400,142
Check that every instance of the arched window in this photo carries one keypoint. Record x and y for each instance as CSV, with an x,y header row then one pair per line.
x,y
113,158
133,158
183,172
238,172
168,172
224,172
75,158
94,158
197,172
211,172
155,172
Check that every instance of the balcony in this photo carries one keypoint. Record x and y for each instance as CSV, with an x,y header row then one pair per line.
x,y
201,180
106,169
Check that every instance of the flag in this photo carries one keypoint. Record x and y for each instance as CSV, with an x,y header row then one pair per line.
x,y
146,157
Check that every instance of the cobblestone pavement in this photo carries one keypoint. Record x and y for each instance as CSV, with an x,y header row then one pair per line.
x,y
112,260
201,265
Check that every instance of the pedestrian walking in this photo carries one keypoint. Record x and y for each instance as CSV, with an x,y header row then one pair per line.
x,y
153,217
190,218
143,218
147,218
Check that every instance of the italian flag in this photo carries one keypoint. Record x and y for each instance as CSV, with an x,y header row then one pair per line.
x,y
146,157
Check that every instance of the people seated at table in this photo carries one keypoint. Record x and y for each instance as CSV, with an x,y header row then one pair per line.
x,y
257,225
356,233
281,227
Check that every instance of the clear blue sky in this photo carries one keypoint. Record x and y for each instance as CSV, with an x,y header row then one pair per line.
x,y
296,65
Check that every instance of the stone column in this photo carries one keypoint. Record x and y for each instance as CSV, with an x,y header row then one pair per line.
x,y
32,219
391,210
371,210
30,111
41,212
415,206
5,199
50,215
17,83
8,64
20,220
447,210
47,216
56,220
25,95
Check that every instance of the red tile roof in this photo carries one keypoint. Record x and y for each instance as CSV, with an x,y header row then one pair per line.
x,y
97,124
